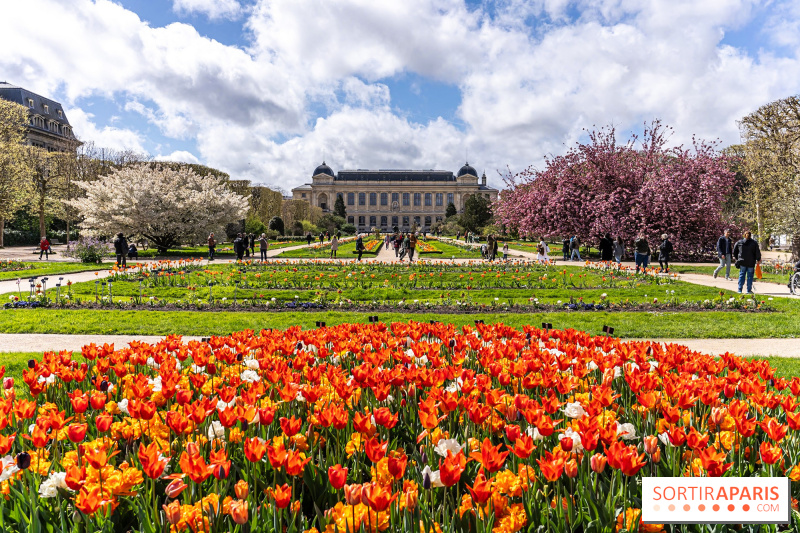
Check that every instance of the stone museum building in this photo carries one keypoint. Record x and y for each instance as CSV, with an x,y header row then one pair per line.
x,y
48,126
386,198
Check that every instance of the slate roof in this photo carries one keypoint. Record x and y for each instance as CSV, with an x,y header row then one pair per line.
x,y
21,96
395,175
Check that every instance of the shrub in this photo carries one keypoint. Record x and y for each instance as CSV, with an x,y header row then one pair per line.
x,y
88,250
348,229
276,224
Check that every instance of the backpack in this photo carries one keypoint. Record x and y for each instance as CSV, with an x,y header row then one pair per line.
x,y
540,249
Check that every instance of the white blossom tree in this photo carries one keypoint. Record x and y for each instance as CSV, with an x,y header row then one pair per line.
x,y
165,205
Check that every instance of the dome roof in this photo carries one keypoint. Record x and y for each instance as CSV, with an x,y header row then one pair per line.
x,y
467,170
323,169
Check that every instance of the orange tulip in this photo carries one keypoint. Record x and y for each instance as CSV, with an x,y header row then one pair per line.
x,y
254,449
523,447
239,511
450,470
194,466
352,494
770,453
291,426
283,496
175,487
241,489
378,498
397,464
598,463
490,456
173,512
295,462
376,449
551,466
6,442
481,490
150,457
77,432
88,501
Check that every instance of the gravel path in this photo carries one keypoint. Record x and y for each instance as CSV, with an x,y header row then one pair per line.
x,y
759,288
35,342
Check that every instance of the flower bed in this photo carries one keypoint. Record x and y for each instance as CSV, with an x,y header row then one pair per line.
x,y
13,265
427,248
401,427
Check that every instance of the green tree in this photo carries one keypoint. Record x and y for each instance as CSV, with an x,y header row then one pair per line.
x,y
276,224
477,213
14,172
450,211
338,207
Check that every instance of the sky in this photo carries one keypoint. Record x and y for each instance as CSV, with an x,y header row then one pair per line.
x,y
267,89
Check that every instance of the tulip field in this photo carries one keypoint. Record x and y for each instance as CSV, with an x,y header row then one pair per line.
x,y
381,427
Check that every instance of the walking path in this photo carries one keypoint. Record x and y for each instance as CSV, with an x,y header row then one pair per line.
x,y
36,342
762,289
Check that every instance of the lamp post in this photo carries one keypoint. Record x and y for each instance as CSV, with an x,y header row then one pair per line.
x,y
58,293
44,288
33,283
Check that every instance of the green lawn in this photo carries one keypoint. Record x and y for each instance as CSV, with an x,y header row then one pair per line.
x,y
225,250
449,251
346,250
45,268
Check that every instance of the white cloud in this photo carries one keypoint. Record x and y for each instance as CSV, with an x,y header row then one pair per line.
x,y
213,9
179,156
108,136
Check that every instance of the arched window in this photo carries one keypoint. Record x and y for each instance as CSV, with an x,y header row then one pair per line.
x,y
373,221
362,198
384,221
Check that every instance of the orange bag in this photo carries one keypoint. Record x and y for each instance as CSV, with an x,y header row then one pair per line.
x,y
759,275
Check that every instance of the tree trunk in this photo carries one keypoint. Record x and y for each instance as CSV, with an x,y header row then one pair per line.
x,y
763,240
2,231
796,247
42,229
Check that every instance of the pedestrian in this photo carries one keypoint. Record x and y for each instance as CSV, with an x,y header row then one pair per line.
x,y
327,235
606,247
489,247
334,247
412,246
724,254
238,247
246,244
263,244
575,247
308,238
359,245
133,253
121,249
641,254
664,252
403,246
212,246
746,254
505,251
619,250
44,248
253,244
321,237
494,247
565,248
541,251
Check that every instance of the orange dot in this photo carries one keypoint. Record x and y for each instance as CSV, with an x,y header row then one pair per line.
x,y
701,507
671,507
746,507
716,507
731,507
656,508
686,507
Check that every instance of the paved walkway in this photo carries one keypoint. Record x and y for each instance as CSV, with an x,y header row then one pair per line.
x,y
762,289
35,342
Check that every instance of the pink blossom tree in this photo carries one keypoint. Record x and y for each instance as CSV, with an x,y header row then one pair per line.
x,y
627,190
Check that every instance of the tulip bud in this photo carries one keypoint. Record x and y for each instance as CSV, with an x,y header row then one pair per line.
x,y
241,489
426,481
598,463
31,363
173,512
192,448
174,489
566,444
650,444
245,425
656,456
104,385
571,468
211,369
411,498
352,494
23,460
8,383
239,511
718,415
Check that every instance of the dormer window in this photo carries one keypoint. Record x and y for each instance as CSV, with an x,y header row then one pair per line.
x,y
30,102
60,114
46,109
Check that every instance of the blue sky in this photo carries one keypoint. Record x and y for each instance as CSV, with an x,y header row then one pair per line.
x,y
264,89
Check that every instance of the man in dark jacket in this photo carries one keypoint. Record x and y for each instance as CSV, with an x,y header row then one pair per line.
x,y
565,248
308,238
606,247
664,253
641,254
238,247
360,246
747,255
121,249
724,253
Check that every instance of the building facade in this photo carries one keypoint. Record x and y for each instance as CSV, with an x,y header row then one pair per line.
x,y
384,199
48,126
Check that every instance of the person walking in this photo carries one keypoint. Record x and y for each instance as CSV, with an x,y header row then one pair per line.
x,y
308,238
334,246
44,248
253,244
541,251
238,247
359,245
494,247
321,237
664,252
212,246
641,254
403,247
575,246
746,254
565,248
606,247
263,244
725,254
397,241
121,249
489,247
619,250
412,247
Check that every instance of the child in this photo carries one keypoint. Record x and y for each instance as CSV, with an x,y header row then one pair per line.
x,y
505,251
